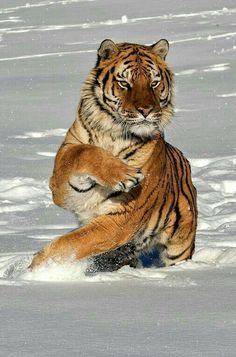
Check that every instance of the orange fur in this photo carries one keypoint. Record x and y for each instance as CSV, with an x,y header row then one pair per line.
x,y
114,168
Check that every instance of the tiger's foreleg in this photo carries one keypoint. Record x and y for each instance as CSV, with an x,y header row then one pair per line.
x,y
97,164
99,236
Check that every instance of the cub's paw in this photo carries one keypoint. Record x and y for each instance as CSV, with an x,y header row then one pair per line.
x,y
82,183
129,180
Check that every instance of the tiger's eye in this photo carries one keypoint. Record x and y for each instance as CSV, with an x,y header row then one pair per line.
x,y
155,83
123,84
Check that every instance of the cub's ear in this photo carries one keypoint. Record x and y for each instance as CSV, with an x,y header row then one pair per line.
x,y
107,49
161,48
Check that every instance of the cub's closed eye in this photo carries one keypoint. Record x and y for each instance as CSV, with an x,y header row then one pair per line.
x,y
124,84
155,84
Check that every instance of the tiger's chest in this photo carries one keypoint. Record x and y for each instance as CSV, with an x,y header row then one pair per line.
x,y
116,146
90,199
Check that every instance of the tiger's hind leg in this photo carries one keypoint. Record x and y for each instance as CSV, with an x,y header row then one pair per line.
x,y
178,247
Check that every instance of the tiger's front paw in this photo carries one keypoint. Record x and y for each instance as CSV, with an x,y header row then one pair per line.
x,y
125,181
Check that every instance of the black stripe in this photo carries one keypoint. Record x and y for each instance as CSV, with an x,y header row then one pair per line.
x,y
97,61
183,171
105,79
150,67
192,249
99,71
95,135
128,67
188,167
105,99
67,143
177,219
180,176
117,213
122,184
112,89
130,54
175,196
168,214
167,79
171,206
120,76
146,55
174,167
187,182
132,152
147,212
161,72
147,198
173,257
112,69
161,210
149,61
113,194
180,185
164,101
126,46
169,73
82,121
101,107
128,61
80,191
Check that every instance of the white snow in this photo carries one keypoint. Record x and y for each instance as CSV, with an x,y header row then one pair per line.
x,y
40,55
58,310
23,194
212,68
46,153
227,95
39,4
41,134
217,67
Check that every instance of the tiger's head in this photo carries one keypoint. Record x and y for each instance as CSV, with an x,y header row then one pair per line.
x,y
132,87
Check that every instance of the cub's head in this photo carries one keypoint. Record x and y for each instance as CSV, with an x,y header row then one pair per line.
x,y
133,85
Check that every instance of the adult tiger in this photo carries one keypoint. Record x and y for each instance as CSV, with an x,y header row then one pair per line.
x,y
131,190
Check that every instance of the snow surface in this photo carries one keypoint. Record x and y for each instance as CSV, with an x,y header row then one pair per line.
x,y
47,48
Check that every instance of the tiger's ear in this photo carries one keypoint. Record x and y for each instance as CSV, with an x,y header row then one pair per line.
x,y
161,48
107,49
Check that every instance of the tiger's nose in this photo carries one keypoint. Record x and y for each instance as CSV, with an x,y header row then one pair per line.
x,y
145,111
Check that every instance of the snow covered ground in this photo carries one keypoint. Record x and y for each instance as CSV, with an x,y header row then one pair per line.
x,y
47,48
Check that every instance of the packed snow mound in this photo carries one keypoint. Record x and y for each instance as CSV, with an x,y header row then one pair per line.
x,y
14,268
23,194
217,256
215,179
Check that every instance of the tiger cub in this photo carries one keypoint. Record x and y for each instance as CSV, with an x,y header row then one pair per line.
x,y
131,190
